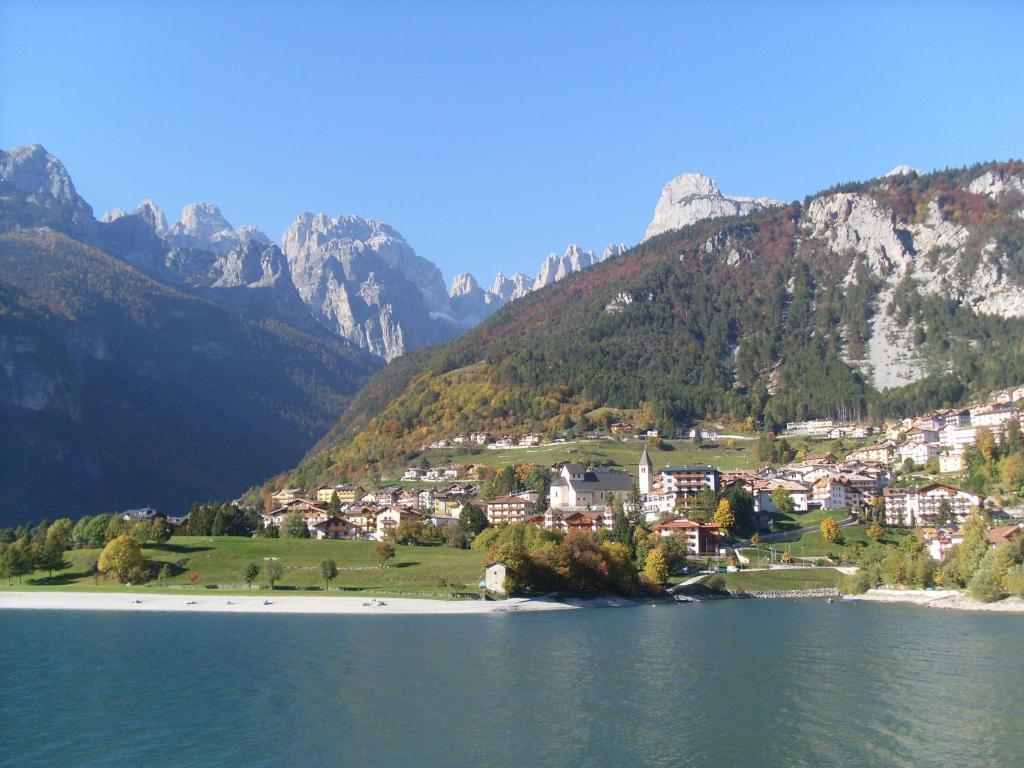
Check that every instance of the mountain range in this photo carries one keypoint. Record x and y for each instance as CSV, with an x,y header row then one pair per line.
x,y
874,298
154,363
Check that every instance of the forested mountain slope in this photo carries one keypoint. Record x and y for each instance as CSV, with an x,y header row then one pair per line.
x,y
119,391
872,298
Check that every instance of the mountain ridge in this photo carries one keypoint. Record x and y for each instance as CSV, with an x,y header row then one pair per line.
x,y
782,314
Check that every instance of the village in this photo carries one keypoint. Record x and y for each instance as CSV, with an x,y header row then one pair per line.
x,y
868,483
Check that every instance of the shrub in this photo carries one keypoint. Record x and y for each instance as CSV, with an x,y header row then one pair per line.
x,y
985,586
856,583
1015,580
716,583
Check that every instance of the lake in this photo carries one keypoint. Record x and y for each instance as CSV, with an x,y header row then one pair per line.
x,y
761,683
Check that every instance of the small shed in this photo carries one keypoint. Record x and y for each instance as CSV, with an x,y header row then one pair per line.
x,y
494,577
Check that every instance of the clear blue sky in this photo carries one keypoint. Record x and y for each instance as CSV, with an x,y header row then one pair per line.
x,y
490,134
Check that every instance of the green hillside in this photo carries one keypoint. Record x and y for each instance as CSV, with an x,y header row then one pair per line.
x,y
119,391
751,320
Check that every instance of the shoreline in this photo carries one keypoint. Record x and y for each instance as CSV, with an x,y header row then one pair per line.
x,y
942,599
273,604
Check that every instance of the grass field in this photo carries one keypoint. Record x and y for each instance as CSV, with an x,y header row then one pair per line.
x,y
625,455
783,579
806,519
813,544
220,561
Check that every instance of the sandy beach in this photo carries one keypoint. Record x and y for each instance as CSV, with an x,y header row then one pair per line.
x,y
946,599
143,602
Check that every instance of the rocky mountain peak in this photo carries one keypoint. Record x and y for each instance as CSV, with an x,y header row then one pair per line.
x,y
692,185
464,284
203,226
692,197
901,170
147,210
613,249
39,174
44,183
511,288
553,268
361,279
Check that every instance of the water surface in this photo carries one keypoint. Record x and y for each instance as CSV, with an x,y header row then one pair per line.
x,y
765,683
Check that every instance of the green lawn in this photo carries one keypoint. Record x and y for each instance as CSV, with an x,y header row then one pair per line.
x,y
625,455
805,519
220,561
783,579
813,544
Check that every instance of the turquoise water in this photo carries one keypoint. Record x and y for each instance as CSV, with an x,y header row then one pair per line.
x,y
762,683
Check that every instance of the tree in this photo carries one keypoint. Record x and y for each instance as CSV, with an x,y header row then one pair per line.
x,y
61,532
518,567
875,532
656,569
830,531
985,442
114,528
963,559
782,501
7,562
140,531
217,526
51,557
383,551
724,516
636,505
984,584
945,516
159,531
620,527
1015,580
1013,441
294,526
622,573
329,571
1013,472
586,567
472,520
120,556
275,572
334,505
706,505
252,570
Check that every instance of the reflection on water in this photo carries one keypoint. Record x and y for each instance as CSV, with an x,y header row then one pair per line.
x,y
732,683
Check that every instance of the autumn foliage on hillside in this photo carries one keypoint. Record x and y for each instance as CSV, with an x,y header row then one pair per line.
x,y
747,319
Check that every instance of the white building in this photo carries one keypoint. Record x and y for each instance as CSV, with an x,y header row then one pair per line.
x,y
922,506
581,488
920,453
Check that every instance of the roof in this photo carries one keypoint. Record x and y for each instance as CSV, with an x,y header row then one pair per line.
x,y
1001,533
599,481
144,513
686,523
332,520
932,486
691,468
645,457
